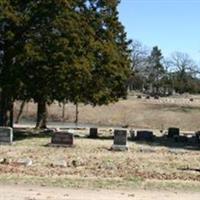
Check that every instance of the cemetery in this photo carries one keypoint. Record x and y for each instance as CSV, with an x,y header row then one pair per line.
x,y
87,111
107,156
120,158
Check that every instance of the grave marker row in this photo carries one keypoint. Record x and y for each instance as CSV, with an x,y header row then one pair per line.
x,y
65,138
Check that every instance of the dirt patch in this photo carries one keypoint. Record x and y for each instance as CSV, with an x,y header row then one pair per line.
x,y
43,193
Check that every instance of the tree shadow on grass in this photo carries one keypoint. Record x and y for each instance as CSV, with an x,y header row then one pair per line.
x,y
174,143
22,134
157,141
109,137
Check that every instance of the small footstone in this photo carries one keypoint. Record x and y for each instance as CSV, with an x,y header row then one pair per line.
x,y
59,163
26,162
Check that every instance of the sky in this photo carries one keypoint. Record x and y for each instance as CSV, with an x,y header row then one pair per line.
x,y
172,25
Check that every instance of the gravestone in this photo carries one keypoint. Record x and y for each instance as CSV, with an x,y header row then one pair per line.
x,y
181,138
93,133
62,138
6,135
24,161
144,135
148,97
156,97
132,135
59,163
120,140
173,132
197,136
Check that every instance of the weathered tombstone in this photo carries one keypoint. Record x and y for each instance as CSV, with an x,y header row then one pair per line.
x,y
120,140
148,97
93,133
197,136
62,138
144,135
173,132
6,135
183,139
132,134
156,97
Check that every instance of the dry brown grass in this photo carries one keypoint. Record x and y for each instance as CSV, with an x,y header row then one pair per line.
x,y
97,166
137,113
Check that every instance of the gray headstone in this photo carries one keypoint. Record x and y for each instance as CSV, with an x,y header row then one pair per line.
x,y
181,138
173,132
148,97
6,135
197,136
120,140
144,135
132,134
93,133
62,138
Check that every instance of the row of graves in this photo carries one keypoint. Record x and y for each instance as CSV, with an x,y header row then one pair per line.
x,y
65,138
157,97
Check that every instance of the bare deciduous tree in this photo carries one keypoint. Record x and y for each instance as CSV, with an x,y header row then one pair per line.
x,y
182,63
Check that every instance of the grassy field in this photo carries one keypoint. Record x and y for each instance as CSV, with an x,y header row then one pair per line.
x,y
91,164
138,113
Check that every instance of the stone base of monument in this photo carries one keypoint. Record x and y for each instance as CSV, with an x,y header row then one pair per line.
x,y
60,145
119,147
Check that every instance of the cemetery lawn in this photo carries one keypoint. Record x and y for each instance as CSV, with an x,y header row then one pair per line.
x,y
90,164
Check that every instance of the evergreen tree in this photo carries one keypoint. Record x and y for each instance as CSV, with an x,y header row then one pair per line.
x,y
110,66
155,68
63,50
13,26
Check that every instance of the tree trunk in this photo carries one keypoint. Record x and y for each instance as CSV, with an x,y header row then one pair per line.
x,y
63,111
4,110
20,112
11,112
77,112
41,115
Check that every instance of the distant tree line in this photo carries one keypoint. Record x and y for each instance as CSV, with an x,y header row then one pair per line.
x,y
58,50
154,74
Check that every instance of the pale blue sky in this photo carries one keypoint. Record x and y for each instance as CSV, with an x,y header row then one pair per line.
x,y
172,25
